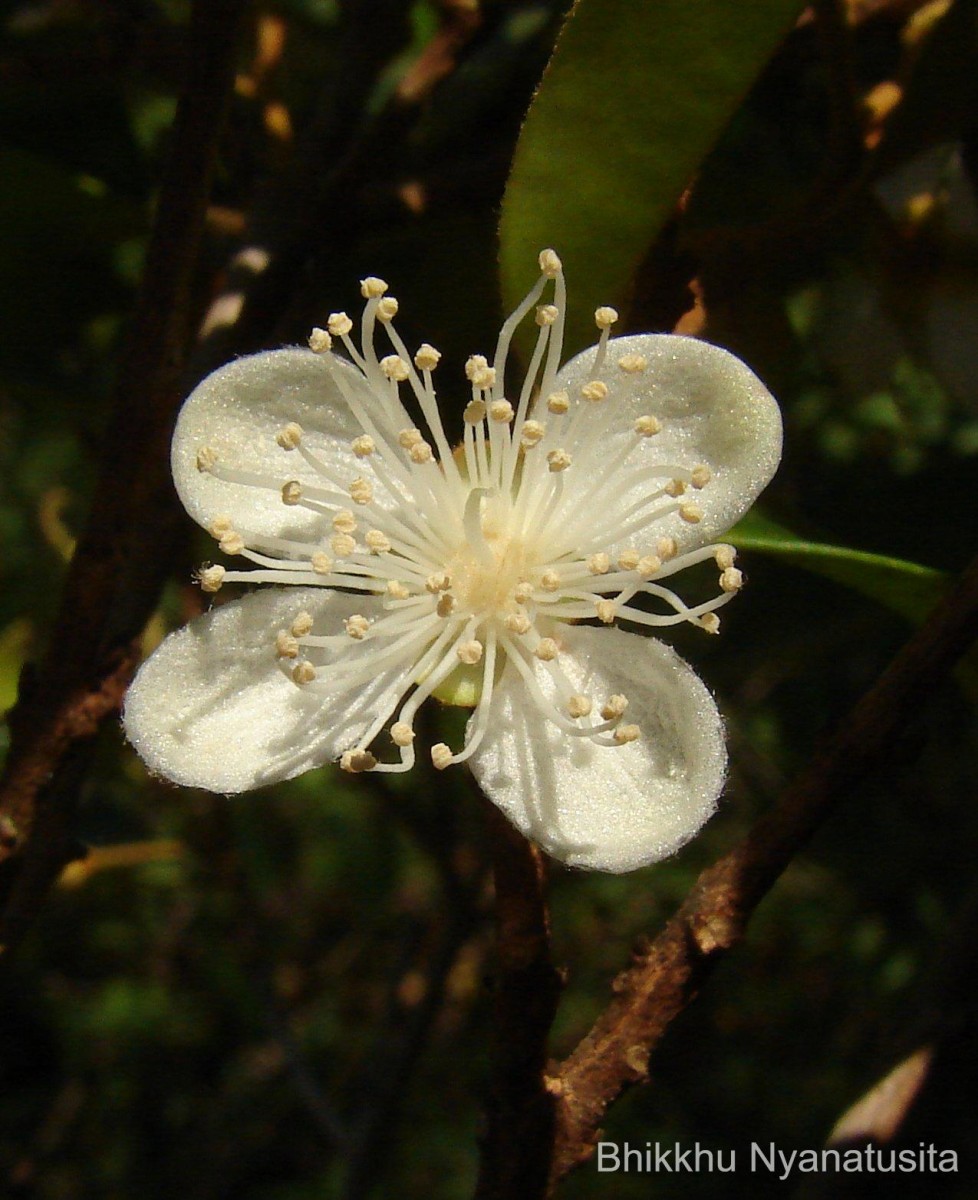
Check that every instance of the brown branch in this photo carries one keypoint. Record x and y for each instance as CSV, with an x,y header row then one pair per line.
x,y
117,571
666,976
516,1147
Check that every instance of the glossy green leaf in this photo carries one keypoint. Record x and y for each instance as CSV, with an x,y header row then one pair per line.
x,y
632,101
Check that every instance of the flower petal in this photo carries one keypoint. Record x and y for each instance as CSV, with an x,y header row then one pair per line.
x,y
212,707
238,410
607,808
713,411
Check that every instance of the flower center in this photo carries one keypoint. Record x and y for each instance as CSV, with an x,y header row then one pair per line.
x,y
490,563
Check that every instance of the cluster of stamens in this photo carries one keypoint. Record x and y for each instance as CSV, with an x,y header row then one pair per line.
x,y
482,555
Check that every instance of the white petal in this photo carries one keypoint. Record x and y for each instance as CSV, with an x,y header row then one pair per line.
x,y
713,410
238,410
607,808
212,707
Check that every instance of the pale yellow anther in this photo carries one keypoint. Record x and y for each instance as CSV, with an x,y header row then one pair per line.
x,y
595,391
372,288
550,264
626,733
211,578
446,604
206,459
550,581
363,446
402,734
339,324
302,624
666,548
303,672
474,412
614,707
427,357
633,364
292,492
377,541
387,309
523,592
558,403
357,761
647,426
579,706
342,545
344,521
675,488
357,627
286,646
441,756
421,453
394,367
485,379
598,564
700,476
725,557
546,649
518,622
558,460
531,434
474,365
409,437
605,316
439,581
649,565
628,560
690,512
546,314
221,525
321,563
232,543
606,611
290,436
319,341
361,491
397,590
731,580
710,622
469,652
501,411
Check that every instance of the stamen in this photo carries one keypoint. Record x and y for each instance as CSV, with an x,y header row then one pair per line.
x,y
710,622
626,733
558,403
286,646
633,364
427,357
387,309
469,652
613,709
211,578
303,672
363,446
647,426
402,734
372,288
302,624
292,492
692,513
700,476
595,391
546,649
289,437
607,611
731,580
339,324
441,756
319,341
558,460
357,627
357,761
579,706
345,521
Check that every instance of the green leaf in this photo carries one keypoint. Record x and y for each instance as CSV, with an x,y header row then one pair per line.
x,y
632,101
909,589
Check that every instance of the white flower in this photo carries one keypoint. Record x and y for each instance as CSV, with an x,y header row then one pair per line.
x,y
413,571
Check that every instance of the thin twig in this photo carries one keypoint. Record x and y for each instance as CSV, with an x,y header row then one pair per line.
x,y
666,976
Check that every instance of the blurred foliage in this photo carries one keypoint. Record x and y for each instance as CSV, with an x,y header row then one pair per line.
x,y
243,999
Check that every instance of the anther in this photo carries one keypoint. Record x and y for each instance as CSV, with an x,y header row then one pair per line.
x,y
691,513
343,546
357,761
474,412
628,560
357,626
363,446
579,706
647,426
303,672
598,564
397,590
649,565
523,592
474,364
675,488
441,756
387,309
605,316
409,437
394,367
546,649
339,324
633,364
550,264
302,624
427,357
446,604
319,341
532,433
595,391
286,646
345,522
377,541
232,543
700,476
211,578
558,403
559,460
626,733
550,581
421,453
372,288
614,707
710,622
361,491
469,652
501,411
206,459
291,492
546,314
402,734
666,548
731,580
606,611
517,623
439,581
321,563
725,557
222,524
290,436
